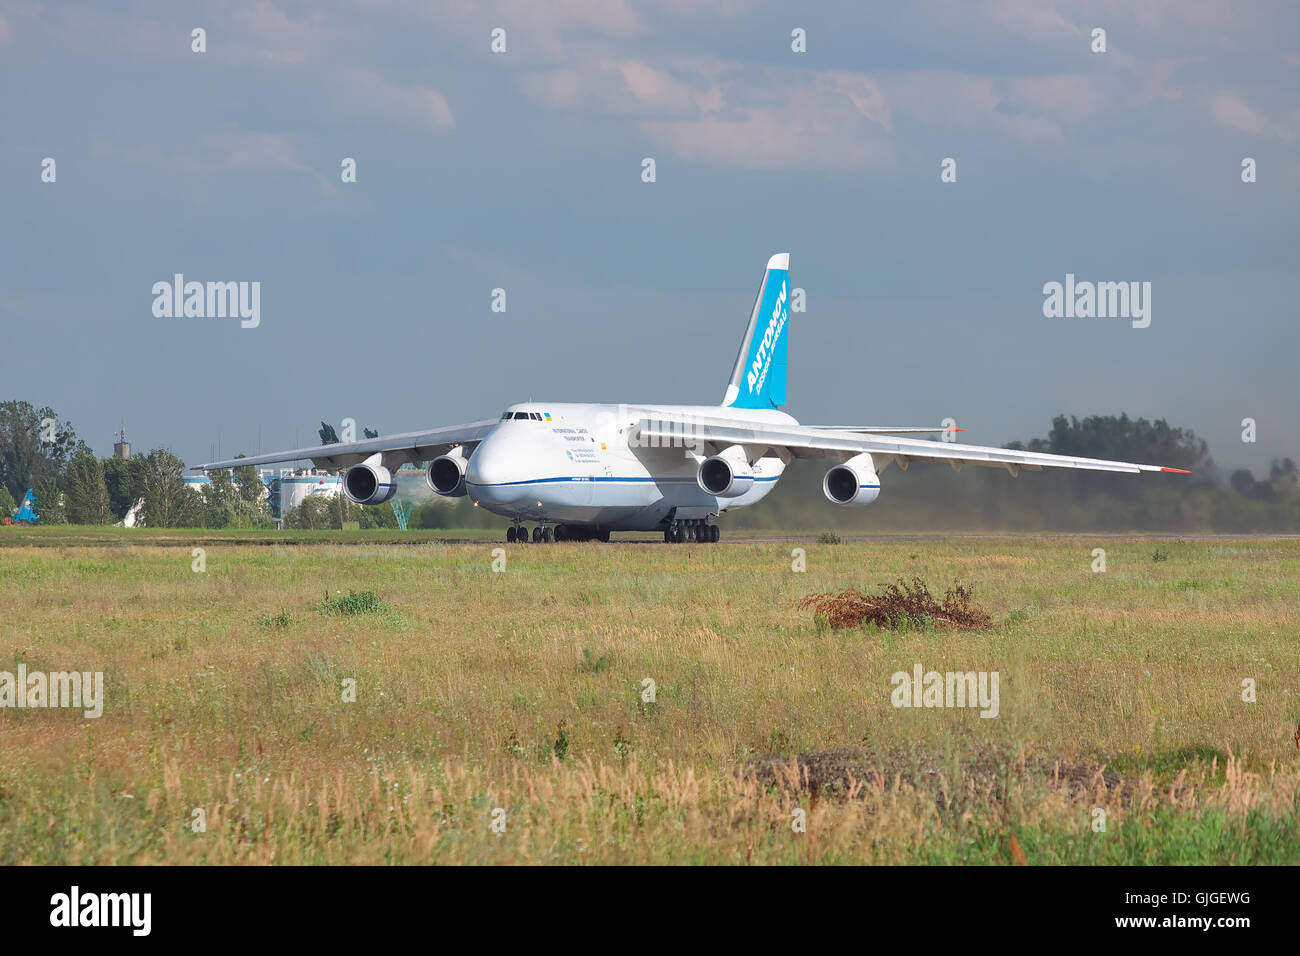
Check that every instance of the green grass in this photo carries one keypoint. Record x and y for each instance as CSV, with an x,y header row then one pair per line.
x,y
64,536
354,602
526,690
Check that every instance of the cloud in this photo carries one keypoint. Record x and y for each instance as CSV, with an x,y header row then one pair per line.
x,y
719,112
283,40
1230,109
4,30
1031,18
553,31
623,87
834,120
229,151
609,17
658,90
365,95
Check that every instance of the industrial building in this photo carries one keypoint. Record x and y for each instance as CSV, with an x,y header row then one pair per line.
x,y
287,488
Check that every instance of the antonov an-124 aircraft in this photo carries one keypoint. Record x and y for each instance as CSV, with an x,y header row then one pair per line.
x,y
581,471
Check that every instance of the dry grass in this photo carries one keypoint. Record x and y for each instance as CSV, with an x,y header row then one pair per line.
x,y
1120,692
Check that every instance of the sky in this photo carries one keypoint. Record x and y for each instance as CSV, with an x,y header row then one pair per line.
x,y
522,170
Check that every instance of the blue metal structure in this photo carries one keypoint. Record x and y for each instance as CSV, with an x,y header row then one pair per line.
x,y
27,513
403,511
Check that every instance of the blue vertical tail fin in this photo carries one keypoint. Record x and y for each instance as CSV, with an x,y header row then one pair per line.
x,y
758,377
27,512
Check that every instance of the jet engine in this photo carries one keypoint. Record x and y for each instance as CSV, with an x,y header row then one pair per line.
x,y
369,483
446,474
853,483
726,475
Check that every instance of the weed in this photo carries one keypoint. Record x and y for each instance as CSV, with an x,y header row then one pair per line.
x,y
900,607
355,602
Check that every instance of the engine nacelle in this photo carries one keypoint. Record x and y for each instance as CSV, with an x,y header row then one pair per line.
x,y
369,483
853,483
446,474
726,475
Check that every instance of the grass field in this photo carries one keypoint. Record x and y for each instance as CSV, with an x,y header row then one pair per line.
x,y
521,691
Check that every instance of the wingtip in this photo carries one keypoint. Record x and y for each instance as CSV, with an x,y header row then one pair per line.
x,y
1176,471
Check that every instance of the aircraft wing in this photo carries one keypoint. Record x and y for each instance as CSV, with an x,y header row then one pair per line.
x,y
883,429
801,441
411,447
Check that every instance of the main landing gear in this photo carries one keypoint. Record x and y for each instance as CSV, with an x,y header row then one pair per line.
x,y
544,534
692,531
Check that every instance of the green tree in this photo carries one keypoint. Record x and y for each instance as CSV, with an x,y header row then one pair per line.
x,y
122,479
219,499
249,482
7,504
34,444
251,507
168,502
320,511
328,436
49,501
1120,438
341,508
251,514
317,511
1126,439
87,494
376,516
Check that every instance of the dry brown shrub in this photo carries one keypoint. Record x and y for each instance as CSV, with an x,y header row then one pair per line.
x,y
899,606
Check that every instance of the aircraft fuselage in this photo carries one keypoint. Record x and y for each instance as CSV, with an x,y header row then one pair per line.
x,y
588,464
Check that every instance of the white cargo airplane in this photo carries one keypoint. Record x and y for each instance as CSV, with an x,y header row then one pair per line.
x,y
582,471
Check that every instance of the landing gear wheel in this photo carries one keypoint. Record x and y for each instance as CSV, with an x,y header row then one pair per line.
x,y
547,536
715,534
510,535
561,534
603,536
537,535
668,535
679,535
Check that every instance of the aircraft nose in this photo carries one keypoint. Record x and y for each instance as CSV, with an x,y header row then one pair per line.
x,y
488,474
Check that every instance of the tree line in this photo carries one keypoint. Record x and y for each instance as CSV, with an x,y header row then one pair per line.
x,y
40,450
931,496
